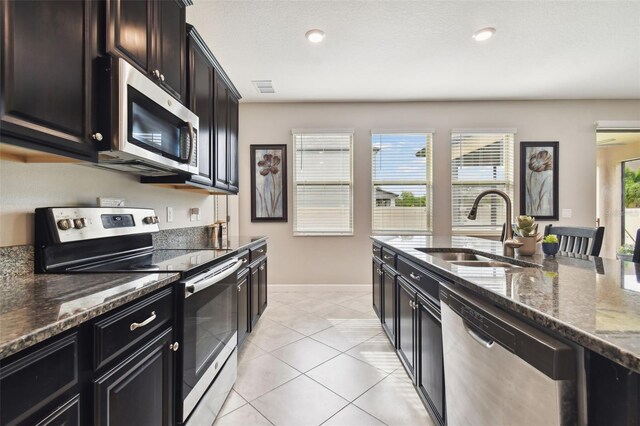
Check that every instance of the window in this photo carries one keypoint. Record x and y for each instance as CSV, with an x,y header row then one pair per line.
x,y
323,183
480,161
401,183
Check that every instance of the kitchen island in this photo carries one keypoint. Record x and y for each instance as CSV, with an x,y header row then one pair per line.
x,y
589,302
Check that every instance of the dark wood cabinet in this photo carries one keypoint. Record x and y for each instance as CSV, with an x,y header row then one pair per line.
x,y
429,357
232,142
377,287
140,390
47,99
406,316
68,414
220,147
254,293
33,383
243,305
150,34
389,303
262,286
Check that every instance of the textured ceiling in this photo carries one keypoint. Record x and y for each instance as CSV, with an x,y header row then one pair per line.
x,y
422,50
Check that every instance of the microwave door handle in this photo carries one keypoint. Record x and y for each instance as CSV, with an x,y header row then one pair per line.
x,y
191,138
191,289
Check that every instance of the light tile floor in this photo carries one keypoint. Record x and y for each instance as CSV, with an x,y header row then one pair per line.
x,y
319,357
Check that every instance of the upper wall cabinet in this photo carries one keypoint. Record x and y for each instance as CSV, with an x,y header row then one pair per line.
x,y
47,86
151,35
214,99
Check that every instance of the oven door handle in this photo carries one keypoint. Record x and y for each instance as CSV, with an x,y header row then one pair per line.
x,y
191,289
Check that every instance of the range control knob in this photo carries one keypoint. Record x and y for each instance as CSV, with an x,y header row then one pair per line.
x,y
80,223
150,220
65,224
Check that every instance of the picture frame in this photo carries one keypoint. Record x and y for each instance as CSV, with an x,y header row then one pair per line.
x,y
269,183
539,179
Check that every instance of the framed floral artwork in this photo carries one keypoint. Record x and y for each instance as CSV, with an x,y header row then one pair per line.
x,y
268,183
539,180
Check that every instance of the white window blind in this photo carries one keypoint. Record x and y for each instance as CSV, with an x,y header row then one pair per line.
x,y
480,161
401,183
323,183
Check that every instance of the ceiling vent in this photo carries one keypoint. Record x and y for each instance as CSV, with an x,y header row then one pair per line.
x,y
264,86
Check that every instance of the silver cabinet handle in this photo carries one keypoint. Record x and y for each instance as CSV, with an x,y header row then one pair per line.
x,y
415,277
379,271
260,251
97,136
135,325
161,77
174,346
156,73
239,289
262,268
387,257
245,260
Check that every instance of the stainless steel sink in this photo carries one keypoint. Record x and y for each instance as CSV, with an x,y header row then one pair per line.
x,y
485,264
455,256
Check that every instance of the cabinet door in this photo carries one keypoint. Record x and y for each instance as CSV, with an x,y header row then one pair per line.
x,y
262,286
232,142
243,307
170,37
430,368
254,294
201,92
220,152
140,390
406,326
129,31
389,304
47,53
67,414
377,290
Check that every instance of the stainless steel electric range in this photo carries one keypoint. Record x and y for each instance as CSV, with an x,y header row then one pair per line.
x,y
104,240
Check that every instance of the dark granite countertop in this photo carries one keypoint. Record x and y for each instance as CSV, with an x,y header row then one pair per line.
x,y
231,244
592,301
36,307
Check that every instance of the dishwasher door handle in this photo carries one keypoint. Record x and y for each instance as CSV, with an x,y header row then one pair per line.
x,y
487,343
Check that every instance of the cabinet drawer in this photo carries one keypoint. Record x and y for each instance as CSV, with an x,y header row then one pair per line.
x,y
245,257
31,382
422,279
377,251
119,332
389,257
258,252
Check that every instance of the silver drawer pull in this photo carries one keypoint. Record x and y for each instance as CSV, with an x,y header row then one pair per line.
x,y
260,251
262,268
379,271
239,289
174,346
135,325
415,277
245,260
387,257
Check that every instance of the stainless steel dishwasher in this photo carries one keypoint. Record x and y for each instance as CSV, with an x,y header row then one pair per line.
x,y
500,370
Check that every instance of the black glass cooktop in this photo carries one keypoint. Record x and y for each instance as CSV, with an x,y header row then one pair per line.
x,y
156,261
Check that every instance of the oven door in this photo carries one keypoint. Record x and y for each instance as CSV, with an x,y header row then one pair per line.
x,y
209,329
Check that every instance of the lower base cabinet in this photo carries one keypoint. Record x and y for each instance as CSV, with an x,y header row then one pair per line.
x,y
67,415
254,295
389,303
140,390
406,340
376,273
262,286
243,305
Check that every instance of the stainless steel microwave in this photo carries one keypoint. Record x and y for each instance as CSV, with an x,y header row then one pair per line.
x,y
152,134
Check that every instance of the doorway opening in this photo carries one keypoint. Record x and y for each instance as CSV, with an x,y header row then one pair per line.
x,y
618,188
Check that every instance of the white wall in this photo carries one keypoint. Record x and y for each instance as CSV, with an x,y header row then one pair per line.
x,y
347,259
25,186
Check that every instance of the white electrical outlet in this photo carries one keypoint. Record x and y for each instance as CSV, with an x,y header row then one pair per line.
x,y
169,214
195,214
567,213
110,202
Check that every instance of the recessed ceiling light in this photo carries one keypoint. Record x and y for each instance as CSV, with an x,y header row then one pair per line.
x,y
315,36
483,34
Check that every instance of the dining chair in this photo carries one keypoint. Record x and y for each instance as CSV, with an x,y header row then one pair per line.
x,y
636,250
578,240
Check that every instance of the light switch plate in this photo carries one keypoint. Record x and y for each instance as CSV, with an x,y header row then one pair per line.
x,y
566,213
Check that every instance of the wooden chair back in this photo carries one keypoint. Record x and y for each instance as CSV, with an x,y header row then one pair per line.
x,y
578,240
636,250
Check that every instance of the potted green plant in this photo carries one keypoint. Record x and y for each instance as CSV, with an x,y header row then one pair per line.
x,y
527,234
550,245
625,252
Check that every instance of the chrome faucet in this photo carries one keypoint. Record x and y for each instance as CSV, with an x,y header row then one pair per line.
x,y
509,243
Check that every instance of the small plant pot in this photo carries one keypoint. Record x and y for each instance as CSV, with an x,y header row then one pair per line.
x,y
528,246
550,249
625,257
